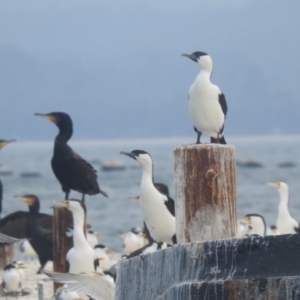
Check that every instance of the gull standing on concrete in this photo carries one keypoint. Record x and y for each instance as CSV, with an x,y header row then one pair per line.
x,y
207,103
158,209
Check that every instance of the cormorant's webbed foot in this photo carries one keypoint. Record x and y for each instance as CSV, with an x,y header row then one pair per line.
x,y
198,137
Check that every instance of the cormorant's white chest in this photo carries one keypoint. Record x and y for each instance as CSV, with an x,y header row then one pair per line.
x,y
81,260
286,224
160,222
205,110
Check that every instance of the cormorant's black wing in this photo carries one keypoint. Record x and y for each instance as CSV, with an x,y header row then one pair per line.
x,y
223,103
85,173
14,224
47,234
45,221
170,204
297,229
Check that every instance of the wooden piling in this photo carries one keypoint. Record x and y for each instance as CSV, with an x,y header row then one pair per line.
x,y
7,254
205,192
62,220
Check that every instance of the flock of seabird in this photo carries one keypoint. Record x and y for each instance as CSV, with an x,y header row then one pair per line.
x,y
91,266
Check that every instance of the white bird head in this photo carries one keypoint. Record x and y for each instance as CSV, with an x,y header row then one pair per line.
x,y
279,185
202,58
141,156
257,222
74,205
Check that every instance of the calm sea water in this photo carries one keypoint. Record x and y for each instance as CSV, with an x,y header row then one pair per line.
x,y
114,215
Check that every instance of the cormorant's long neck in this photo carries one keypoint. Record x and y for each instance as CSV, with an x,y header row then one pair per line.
x,y
34,209
78,234
283,210
147,177
65,133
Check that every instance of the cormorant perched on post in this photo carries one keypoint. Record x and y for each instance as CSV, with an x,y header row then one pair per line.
x,y
2,144
207,103
32,225
158,209
71,170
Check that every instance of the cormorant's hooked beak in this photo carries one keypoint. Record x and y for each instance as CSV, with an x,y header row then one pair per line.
x,y
130,154
274,184
21,266
60,204
136,198
244,221
5,142
48,116
27,200
190,56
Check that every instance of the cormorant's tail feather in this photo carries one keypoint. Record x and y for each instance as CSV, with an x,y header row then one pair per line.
x,y
104,193
222,140
216,141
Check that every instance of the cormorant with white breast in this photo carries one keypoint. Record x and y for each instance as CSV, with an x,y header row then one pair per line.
x,y
256,224
285,222
158,209
71,170
82,257
207,104
2,144
32,225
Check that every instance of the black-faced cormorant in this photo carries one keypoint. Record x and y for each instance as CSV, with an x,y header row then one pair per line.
x,y
71,170
207,103
158,210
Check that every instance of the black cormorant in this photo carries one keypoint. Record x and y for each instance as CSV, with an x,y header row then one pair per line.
x,y
71,170
32,225
2,144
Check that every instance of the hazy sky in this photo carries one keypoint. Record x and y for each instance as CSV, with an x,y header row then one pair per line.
x,y
115,66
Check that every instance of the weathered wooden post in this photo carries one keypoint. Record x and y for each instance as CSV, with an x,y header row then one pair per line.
x,y
205,192
7,254
198,267
62,220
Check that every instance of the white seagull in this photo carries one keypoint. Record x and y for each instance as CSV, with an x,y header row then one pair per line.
x,y
285,222
158,209
11,282
98,287
207,103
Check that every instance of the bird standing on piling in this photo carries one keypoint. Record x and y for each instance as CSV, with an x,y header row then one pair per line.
x,y
158,209
71,170
285,222
82,257
2,144
207,103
